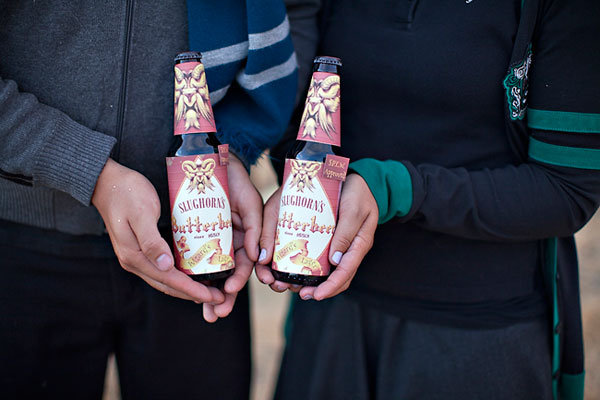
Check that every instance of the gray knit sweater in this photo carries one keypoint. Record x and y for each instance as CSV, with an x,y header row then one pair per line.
x,y
75,79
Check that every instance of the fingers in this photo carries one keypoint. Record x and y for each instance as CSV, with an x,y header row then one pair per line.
x,y
224,309
263,273
350,221
172,282
342,276
208,312
154,247
356,204
250,211
243,269
280,287
245,201
212,313
269,228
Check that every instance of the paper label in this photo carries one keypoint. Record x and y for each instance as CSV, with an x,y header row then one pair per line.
x,y
307,218
335,167
200,214
321,118
193,111
223,154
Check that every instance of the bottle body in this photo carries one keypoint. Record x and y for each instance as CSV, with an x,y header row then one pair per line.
x,y
311,188
197,173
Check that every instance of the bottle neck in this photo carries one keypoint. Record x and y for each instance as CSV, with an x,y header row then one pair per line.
x,y
197,143
311,151
321,117
192,108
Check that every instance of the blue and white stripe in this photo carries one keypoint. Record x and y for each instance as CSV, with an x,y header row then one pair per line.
x,y
251,69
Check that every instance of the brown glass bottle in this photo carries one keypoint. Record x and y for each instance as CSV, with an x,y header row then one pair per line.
x,y
198,179
311,145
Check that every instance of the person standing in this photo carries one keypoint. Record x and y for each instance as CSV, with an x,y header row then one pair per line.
x,y
86,111
475,126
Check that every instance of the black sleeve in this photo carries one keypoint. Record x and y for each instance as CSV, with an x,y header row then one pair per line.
x,y
557,190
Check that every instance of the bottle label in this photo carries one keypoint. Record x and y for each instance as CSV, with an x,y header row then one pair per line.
x,y
200,214
193,110
321,117
336,167
307,218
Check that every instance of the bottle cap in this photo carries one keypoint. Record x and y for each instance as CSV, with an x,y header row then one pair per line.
x,y
327,60
188,55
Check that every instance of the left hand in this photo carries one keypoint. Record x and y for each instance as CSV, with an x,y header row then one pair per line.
x,y
353,238
246,214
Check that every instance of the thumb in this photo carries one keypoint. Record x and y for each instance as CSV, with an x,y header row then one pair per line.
x,y
154,247
349,222
250,211
269,227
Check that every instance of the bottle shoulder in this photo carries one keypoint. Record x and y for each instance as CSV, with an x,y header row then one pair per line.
x,y
195,143
311,151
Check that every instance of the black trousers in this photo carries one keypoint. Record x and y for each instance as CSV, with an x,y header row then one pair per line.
x,y
340,349
61,317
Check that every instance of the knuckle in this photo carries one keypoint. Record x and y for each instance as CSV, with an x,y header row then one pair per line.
x,y
128,259
150,243
162,279
350,209
344,242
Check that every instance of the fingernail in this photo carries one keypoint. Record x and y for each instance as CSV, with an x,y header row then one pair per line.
x,y
296,286
197,302
307,297
263,255
163,262
279,287
337,256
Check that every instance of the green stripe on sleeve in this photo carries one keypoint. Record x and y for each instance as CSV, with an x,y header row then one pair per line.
x,y
390,184
563,121
564,156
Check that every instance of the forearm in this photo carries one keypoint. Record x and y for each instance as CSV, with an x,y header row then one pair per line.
x,y
44,147
529,201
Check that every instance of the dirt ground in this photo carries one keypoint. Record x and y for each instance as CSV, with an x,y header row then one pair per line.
x,y
268,311
588,244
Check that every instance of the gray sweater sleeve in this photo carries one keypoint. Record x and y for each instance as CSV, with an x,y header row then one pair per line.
x,y
42,146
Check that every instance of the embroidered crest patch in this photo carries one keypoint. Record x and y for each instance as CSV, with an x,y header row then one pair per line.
x,y
516,84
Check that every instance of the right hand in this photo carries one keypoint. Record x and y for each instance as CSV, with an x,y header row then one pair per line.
x,y
352,239
130,208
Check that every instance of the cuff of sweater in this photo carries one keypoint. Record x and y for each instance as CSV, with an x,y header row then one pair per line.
x,y
72,159
391,185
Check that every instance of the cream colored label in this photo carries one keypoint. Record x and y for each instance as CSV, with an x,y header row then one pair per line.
x,y
200,214
307,216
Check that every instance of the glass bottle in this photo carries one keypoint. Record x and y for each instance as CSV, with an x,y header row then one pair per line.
x,y
312,183
197,174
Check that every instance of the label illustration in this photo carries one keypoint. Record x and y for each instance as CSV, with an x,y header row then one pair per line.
x,y
193,111
307,219
321,117
200,214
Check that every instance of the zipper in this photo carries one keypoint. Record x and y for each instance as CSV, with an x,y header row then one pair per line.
x,y
123,90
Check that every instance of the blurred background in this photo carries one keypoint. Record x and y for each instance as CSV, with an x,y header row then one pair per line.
x,y
269,309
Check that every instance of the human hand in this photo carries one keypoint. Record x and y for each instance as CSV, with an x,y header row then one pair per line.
x,y
353,238
246,215
130,208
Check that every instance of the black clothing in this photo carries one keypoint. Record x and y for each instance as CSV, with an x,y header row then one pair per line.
x,y
63,315
343,349
492,110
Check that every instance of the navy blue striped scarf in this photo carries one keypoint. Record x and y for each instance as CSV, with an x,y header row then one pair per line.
x,y
250,66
